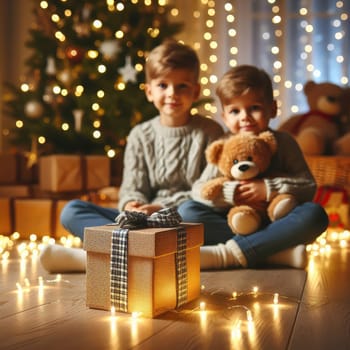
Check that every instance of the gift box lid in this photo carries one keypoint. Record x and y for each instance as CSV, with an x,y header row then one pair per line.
x,y
144,242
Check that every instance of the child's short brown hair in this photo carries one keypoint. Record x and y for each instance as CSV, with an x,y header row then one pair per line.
x,y
171,55
240,79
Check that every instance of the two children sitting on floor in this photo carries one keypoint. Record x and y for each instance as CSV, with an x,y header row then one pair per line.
x,y
165,166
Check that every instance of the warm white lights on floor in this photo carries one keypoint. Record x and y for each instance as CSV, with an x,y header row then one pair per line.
x,y
329,239
239,308
32,247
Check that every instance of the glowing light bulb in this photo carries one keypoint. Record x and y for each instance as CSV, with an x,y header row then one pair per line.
x,y
5,256
236,330
135,314
249,316
19,287
26,282
41,281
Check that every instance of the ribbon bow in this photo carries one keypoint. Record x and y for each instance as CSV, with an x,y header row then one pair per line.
x,y
167,217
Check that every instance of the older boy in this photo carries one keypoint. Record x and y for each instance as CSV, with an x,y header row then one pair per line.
x,y
163,156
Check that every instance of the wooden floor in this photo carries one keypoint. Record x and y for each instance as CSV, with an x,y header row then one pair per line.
x,y
313,311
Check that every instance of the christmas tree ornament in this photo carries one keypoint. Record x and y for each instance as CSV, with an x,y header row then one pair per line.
x,y
125,28
33,109
65,76
82,29
128,72
48,96
74,54
109,49
78,116
50,66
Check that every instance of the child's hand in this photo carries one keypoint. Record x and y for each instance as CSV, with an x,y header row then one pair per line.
x,y
147,209
250,192
132,205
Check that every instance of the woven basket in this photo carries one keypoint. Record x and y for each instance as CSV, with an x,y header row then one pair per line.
x,y
330,170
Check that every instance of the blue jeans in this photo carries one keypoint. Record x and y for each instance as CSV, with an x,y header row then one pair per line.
x,y
301,226
78,214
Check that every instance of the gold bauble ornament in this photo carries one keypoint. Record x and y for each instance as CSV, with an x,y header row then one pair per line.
x,y
34,109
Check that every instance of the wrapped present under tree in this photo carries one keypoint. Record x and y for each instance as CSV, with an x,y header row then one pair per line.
x,y
148,270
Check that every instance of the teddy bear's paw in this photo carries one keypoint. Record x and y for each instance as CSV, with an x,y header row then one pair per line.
x,y
243,223
281,206
213,188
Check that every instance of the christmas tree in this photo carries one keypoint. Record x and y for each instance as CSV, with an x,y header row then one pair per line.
x,y
85,75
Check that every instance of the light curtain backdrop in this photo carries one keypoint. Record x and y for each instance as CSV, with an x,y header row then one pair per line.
x,y
293,40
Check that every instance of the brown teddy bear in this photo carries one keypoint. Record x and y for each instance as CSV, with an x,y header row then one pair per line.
x,y
318,129
243,157
341,146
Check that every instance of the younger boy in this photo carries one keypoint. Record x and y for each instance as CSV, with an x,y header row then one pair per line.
x,y
163,156
246,96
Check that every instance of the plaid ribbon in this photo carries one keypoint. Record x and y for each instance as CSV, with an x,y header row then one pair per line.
x,y
181,267
119,269
168,217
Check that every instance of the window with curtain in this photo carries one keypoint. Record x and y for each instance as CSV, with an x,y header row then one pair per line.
x,y
293,40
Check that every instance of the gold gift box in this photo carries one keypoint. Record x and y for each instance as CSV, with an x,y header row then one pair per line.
x,y
152,286
31,216
65,173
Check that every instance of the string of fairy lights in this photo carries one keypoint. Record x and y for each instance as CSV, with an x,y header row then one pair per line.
x,y
216,31
234,32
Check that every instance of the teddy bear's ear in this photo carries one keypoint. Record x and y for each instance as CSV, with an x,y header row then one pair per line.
x,y
214,150
308,86
270,139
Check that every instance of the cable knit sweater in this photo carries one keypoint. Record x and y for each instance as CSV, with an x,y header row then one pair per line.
x,y
161,163
289,161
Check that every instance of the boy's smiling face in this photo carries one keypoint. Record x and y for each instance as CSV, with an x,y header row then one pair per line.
x,y
173,94
248,113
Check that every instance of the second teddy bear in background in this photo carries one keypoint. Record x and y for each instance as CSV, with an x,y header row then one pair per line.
x,y
317,130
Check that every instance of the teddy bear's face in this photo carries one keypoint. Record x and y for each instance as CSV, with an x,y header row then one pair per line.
x,y
244,157
324,97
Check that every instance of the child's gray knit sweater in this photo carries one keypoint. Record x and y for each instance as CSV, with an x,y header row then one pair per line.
x,y
161,163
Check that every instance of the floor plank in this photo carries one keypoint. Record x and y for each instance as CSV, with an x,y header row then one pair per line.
x,y
324,318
